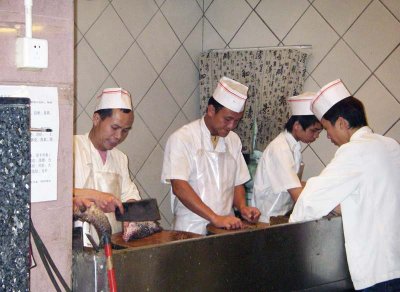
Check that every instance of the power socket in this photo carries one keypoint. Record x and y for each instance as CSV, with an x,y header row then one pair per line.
x,y
31,53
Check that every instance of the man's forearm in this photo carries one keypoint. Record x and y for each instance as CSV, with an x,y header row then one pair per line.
x,y
191,200
239,199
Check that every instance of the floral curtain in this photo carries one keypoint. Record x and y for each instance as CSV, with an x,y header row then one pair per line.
x,y
272,76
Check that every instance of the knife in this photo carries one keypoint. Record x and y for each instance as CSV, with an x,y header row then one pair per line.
x,y
143,210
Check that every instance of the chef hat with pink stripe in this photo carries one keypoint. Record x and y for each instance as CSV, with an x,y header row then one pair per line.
x,y
328,96
300,105
231,94
114,98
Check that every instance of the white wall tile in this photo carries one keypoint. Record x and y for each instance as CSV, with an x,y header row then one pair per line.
x,y
313,30
135,73
336,66
211,39
254,34
191,109
158,109
176,11
374,35
289,13
381,107
340,14
86,13
394,132
180,76
227,21
393,6
149,175
90,73
194,42
158,42
108,45
389,73
135,14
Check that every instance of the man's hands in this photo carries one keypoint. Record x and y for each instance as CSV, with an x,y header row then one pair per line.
x,y
81,202
250,214
104,201
227,222
107,202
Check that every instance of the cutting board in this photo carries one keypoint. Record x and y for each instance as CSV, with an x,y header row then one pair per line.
x,y
157,238
211,229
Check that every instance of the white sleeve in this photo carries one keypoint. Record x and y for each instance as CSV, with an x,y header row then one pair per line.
x,y
177,162
340,179
242,171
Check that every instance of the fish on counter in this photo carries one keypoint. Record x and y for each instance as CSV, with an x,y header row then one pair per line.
x,y
137,230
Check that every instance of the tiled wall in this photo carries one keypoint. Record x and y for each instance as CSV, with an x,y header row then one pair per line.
x,y
151,47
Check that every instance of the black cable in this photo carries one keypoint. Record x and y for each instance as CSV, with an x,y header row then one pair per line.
x,y
46,259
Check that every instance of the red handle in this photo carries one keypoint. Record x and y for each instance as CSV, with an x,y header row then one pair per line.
x,y
112,283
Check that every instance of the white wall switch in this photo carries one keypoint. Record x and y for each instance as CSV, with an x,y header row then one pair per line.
x,y
31,53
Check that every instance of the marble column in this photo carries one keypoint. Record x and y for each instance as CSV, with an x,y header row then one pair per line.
x,y
15,168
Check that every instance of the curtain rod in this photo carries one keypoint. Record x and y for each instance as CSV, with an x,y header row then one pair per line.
x,y
305,47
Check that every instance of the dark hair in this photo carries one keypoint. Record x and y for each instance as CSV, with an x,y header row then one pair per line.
x,y
215,103
105,113
351,109
304,121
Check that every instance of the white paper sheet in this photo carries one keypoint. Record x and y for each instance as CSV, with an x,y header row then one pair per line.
x,y
44,138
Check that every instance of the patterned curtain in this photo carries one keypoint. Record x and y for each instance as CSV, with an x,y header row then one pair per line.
x,y
272,75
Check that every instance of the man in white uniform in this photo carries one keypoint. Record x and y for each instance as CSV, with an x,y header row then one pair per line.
x,y
363,177
205,166
101,173
277,182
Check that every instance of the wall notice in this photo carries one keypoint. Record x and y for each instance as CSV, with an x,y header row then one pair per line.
x,y
44,138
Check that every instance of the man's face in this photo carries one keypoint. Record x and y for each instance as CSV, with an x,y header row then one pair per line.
x,y
223,121
111,131
336,133
308,135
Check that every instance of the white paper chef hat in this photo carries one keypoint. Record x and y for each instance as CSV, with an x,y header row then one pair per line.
x,y
328,96
231,94
300,105
114,98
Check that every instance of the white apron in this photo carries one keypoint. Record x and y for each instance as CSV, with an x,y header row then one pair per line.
x,y
107,182
215,175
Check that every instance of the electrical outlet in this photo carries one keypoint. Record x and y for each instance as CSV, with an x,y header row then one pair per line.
x,y
31,53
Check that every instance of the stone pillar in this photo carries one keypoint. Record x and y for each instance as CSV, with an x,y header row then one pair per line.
x,y
15,182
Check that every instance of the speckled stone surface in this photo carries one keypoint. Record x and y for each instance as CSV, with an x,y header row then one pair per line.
x,y
15,168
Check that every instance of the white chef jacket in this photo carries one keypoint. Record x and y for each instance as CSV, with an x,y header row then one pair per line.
x,y
364,178
181,149
86,154
276,173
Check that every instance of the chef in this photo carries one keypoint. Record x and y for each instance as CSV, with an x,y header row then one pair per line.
x,y
205,166
277,182
101,173
363,177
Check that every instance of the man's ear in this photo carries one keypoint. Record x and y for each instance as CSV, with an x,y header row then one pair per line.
x,y
210,110
96,119
343,123
297,126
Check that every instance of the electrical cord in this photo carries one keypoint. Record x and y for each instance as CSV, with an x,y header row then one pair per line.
x,y
48,261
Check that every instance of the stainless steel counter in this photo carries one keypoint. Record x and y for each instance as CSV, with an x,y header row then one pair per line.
x,y
306,256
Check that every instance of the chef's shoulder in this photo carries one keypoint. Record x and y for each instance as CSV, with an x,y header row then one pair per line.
x,y
81,145
186,134
278,146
